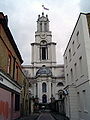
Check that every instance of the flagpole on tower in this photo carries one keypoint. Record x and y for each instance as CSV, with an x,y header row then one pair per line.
x,y
44,8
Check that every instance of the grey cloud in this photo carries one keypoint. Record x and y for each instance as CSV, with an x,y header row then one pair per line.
x,y
22,22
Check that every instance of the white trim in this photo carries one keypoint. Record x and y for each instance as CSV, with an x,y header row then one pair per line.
x,y
4,80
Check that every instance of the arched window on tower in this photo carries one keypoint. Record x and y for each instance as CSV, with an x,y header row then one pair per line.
x,y
41,27
44,87
43,50
45,27
60,84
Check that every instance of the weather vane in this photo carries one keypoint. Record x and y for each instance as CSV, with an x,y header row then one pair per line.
x,y
44,8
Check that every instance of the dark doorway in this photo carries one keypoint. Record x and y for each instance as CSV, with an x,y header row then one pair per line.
x,y
44,98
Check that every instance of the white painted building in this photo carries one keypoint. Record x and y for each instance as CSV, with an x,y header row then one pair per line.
x,y
46,77
77,70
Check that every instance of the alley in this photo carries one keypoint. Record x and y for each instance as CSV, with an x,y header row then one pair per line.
x,y
45,116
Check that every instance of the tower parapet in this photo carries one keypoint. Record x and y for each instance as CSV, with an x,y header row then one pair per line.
x,y
42,23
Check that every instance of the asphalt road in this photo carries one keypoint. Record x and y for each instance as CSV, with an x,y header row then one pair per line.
x,y
45,116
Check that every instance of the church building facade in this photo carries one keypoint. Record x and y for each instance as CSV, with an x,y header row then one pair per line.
x,y
45,76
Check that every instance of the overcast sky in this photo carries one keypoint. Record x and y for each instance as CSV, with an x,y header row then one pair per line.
x,y
22,17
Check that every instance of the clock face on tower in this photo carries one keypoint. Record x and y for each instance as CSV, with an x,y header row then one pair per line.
x,y
43,35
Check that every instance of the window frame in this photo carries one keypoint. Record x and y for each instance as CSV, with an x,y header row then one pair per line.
x,y
43,50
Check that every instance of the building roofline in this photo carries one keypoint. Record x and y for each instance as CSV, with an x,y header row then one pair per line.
x,y
3,22
46,44
74,30
31,66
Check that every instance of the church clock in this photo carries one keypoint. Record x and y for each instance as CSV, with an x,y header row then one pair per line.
x,y
43,35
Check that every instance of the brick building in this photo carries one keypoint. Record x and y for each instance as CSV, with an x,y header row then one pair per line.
x,y
13,83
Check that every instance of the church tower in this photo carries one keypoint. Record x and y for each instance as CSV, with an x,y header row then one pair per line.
x,y
45,76
43,49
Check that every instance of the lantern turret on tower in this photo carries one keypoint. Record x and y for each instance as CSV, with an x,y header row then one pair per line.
x,y
42,23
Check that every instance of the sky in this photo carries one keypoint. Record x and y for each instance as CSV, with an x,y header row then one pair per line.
x,y
23,14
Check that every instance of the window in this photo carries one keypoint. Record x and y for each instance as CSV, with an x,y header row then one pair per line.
x,y
51,88
80,64
17,72
67,78
78,33
73,48
44,87
45,27
60,97
75,65
9,64
41,27
14,59
17,102
79,101
43,50
36,89
43,53
84,100
78,44
66,61
60,84
70,54
89,31
60,94
71,75
44,98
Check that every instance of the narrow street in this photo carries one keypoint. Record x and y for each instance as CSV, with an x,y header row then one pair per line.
x,y
45,116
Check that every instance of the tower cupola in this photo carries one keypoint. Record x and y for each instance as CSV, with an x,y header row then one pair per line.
x,y
42,23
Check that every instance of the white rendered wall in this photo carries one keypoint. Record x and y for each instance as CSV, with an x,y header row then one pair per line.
x,y
82,76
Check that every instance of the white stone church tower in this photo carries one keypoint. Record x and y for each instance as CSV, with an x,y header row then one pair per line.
x,y
46,78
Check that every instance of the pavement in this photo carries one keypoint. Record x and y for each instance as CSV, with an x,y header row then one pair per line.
x,y
59,116
30,117
45,116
